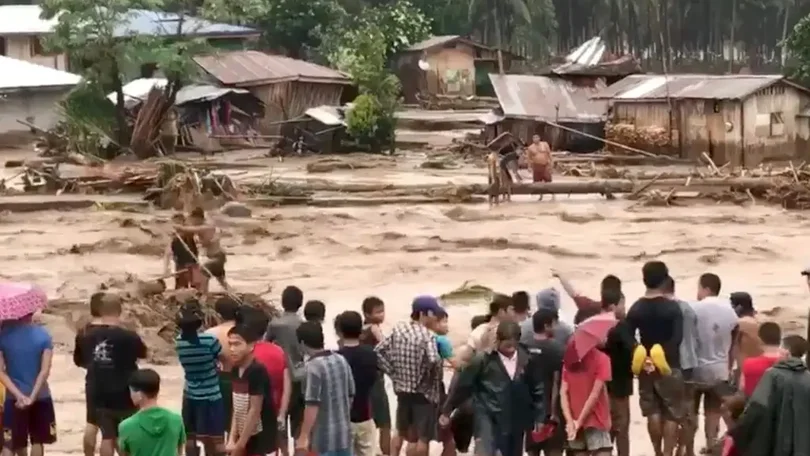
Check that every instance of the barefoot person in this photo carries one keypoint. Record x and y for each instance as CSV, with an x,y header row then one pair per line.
x,y
182,250
540,161
209,237
495,179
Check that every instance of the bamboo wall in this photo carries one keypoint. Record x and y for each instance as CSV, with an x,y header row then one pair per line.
x,y
289,100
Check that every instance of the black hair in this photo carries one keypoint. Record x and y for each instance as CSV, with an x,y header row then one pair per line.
x,y
227,308
611,281
349,324
796,345
197,212
507,330
314,310
255,319
189,320
500,302
669,285
110,305
245,332
521,302
770,333
586,313
479,320
146,382
372,303
542,319
710,282
96,301
292,298
611,297
742,303
310,334
654,273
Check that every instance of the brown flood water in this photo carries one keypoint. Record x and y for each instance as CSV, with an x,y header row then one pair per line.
x,y
342,255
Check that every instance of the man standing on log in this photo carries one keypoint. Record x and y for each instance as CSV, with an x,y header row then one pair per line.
x,y
540,161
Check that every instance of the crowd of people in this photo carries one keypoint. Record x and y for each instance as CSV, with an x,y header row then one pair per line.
x,y
523,381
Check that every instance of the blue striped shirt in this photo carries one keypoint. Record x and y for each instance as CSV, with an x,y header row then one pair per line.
x,y
199,360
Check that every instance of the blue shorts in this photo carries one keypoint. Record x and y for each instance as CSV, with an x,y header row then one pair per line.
x,y
204,418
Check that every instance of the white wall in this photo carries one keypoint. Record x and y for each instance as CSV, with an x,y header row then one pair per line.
x,y
37,107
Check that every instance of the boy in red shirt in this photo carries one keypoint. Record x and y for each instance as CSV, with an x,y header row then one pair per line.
x,y
754,367
586,406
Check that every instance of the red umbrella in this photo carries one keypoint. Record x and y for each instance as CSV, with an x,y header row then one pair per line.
x,y
588,335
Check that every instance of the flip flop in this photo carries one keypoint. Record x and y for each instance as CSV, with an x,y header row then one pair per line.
x,y
659,360
639,356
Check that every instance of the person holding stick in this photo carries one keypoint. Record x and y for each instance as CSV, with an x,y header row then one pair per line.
x,y
208,234
182,249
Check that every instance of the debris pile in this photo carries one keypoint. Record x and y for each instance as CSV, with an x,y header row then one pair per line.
x,y
148,124
437,102
652,139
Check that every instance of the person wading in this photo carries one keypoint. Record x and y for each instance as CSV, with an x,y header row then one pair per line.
x,y
209,237
182,250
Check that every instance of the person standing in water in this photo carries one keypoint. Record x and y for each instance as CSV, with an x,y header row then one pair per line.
x,y
209,237
540,161
182,249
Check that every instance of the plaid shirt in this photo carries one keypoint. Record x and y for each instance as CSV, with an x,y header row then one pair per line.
x,y
410,356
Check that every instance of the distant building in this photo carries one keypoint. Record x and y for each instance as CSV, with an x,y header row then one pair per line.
x,y
449,65
30,92
743,120
22,33
287,87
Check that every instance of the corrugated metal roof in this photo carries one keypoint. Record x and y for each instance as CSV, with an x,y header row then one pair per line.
x,y
544,98
137,90
440,40
253,68
18,74
158,23
328,115
23,20
681,86
588,53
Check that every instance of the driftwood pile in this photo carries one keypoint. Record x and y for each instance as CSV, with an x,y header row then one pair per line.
x,y
148,123
652,139
430,101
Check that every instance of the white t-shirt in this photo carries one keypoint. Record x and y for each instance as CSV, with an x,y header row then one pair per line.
x,y
716,320
481,337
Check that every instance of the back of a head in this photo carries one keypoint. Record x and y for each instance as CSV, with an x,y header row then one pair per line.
x,y
742,303
146,382
521,302
585,314
371,303
770,333
479,320
189,319
292,298
227,308
796,345
611,297
255,319
314,310
710,282
349,324
508,330
542,319
111,305
310,334
246,332
96,301
611,282
669,286
500,302
197,213
654,274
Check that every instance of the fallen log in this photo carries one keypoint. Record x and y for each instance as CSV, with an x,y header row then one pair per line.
x,y
274,201
623,160
297,188
611,186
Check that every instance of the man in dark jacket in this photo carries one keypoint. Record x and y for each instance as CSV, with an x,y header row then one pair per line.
x,y
502,397
774,422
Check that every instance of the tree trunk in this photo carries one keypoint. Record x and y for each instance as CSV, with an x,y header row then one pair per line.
x,y
120,108
784,33
733,44
498,38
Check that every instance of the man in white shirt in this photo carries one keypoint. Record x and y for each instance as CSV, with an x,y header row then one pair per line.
x,y
716,331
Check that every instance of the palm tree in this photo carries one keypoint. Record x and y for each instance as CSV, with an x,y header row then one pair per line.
x,y
494,12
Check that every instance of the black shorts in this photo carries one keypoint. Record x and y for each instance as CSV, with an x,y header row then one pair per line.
x,y
90,409
107,421
417,417
215,266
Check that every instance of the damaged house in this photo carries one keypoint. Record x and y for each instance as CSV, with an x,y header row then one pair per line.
x,y
743,120
448,65
555,109
287,87
591,62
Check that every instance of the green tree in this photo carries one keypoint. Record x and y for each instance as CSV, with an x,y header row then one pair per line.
x,y
96,39
798,45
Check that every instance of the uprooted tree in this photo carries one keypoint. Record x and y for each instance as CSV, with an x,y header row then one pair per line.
x,y
362,46
96,37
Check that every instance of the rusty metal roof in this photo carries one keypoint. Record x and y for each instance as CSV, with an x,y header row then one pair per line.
x,y
545,98
443,40
254,68
643,87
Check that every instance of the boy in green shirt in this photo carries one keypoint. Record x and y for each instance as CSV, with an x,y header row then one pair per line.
x,y
153,431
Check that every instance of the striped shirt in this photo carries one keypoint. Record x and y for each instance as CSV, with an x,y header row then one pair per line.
x,y
199,360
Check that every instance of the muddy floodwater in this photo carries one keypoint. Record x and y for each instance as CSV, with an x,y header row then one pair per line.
x,y
342,255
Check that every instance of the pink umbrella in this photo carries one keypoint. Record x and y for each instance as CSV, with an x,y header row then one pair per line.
x,y
20,299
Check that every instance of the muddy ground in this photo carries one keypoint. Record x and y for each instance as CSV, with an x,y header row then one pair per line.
x,y
342,255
